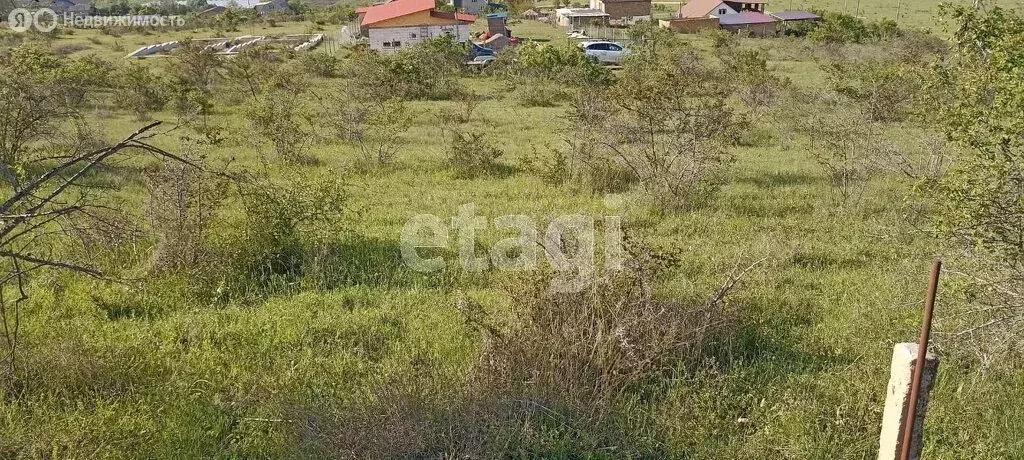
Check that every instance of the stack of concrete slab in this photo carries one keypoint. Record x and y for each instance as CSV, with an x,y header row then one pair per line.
x,y
150,50
236,48
313,41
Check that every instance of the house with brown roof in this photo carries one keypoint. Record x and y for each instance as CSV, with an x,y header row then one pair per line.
x,y
627,11
391,26
719,8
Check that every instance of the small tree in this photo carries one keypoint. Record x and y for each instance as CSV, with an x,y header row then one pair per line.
x,y
375,127
887,90
39,93
283,114
980,202
845,148
668,121
138,90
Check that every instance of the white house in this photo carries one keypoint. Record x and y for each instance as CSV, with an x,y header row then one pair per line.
x,y
391,26
719,8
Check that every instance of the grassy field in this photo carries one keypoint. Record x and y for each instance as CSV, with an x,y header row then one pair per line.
x,y
802,376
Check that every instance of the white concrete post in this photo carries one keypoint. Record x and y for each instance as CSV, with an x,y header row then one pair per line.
x,y
897,401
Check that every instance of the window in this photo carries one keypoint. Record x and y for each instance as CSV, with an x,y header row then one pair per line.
x,y
412,35
723,11
396,43
598,47
612,47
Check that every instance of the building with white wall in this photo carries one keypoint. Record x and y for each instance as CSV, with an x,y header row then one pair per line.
x,y
392,26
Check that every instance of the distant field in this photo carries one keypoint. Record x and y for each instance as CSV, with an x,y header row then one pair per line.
x,y
912,13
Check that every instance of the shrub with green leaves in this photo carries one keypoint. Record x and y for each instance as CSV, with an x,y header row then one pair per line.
x,y
471,154
138,90
980,201
39,94
321,65
845,28
668,121
289,216
427,70
887,90
544,74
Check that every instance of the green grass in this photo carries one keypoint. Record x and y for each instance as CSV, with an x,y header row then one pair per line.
x,y
806,370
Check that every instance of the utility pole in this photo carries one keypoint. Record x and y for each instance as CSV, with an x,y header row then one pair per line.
x,y
899,3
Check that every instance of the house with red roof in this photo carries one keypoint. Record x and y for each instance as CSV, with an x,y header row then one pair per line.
x,y
400,23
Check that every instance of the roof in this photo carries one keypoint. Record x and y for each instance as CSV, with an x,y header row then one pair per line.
x,y
698,8
584,12
744,17
794,15
395,9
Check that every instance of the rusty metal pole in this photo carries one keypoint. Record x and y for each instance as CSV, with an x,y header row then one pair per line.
x,y
922,351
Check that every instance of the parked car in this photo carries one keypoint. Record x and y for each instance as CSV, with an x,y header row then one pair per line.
x,y
604,52
480,62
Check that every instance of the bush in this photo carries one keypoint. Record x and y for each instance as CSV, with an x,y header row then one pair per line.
x,y
427,70
376,128
842,28
471,154
283,120
847,149
755,84
541,75
887,90
288,220
321,65
183,202
39,93
675,138
979,210
283,114
568,366
138,90
583,160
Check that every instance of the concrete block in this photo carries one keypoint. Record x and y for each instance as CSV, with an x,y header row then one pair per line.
x,y
897,401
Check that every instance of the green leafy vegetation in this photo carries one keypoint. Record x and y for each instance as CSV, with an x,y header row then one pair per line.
x,y
231,283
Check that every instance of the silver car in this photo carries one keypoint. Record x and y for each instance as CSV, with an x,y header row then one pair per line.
x,y
604,52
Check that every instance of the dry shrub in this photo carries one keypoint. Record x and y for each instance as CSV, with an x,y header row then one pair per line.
x,y
69,49
846,148
393,423
566,374
583,359
183,201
